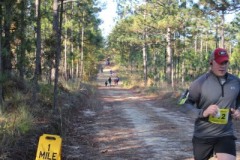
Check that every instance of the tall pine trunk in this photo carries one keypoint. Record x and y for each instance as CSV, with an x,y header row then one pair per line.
x,y
57,32
169,57
1,69
38,51
22,56
144,50
6,63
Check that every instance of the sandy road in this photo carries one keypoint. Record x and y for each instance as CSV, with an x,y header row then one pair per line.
x,y
132,126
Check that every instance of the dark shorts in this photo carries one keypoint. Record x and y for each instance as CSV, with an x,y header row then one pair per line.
x,y
203,149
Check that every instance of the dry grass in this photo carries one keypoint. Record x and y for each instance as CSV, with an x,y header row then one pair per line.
x,y
22,123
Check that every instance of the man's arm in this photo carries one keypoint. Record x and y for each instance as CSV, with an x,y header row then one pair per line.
x,y
190,107
238,99
236,111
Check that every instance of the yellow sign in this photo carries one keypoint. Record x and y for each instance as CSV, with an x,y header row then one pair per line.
x,y
49,147
222,118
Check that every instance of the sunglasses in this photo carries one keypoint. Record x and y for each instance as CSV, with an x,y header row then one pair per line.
x,y
222,53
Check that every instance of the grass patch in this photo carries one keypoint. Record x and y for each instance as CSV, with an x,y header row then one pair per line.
x,y
22,120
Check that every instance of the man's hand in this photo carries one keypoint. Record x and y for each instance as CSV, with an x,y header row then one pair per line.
x,y
235,113
211,110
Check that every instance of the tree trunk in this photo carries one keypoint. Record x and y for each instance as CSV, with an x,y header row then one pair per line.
x,y
38,51
6,59
195,44
65,53
57,27
82,43
169,56
1,70
155,67
72,57
22,57
222,31
144,51
216,36
144,63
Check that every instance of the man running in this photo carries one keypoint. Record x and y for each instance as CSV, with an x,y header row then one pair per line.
x,y
214,99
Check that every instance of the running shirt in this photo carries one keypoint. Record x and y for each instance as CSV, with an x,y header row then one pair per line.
x,y
209,89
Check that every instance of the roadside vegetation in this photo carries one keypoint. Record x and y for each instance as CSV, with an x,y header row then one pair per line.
x,y
22,123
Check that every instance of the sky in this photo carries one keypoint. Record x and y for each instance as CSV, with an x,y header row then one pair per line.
x,y
229,17
107,15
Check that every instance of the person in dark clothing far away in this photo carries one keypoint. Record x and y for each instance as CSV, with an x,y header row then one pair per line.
x,y
110,81
116,80
214,100
106,83
108,61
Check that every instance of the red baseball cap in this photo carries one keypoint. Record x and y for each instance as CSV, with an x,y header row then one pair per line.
x,y
221,55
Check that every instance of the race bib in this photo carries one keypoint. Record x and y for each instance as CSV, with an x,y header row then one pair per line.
x,y
222,118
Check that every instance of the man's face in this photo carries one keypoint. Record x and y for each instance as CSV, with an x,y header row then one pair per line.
x,y
219,69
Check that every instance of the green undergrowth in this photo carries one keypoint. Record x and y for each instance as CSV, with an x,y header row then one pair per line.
x,y
21,119
133,80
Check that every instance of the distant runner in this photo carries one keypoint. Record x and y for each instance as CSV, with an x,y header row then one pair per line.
x,y
109,81
116,80
108,61
106,83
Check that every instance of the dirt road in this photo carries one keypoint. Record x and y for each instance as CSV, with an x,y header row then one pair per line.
x,y
130,126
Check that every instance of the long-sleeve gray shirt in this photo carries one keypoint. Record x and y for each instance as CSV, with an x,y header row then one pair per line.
x,y
207,90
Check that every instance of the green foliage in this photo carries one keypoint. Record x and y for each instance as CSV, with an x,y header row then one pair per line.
x,y
3,78
194,36
4,125
101,57
46,93
17,122
235,56
16,99
234,60
24,120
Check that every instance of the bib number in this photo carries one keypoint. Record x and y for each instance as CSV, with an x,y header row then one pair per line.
x,y
222,119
